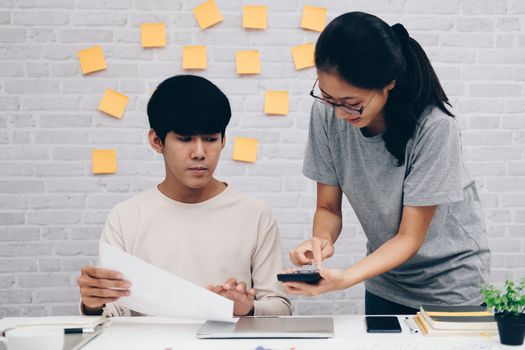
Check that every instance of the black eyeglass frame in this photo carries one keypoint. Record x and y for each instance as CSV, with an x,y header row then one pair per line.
x,y
344,107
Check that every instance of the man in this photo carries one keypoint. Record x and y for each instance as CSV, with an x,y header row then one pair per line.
x,y
191,224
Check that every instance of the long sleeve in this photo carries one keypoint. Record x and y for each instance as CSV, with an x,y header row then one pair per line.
x,y
266,264
174,237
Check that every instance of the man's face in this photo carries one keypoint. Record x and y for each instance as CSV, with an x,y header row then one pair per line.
x,y
190,160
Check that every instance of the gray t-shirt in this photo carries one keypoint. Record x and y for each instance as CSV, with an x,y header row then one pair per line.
x,y
454,260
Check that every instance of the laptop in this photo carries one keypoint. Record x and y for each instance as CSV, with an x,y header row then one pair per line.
x,y
269,327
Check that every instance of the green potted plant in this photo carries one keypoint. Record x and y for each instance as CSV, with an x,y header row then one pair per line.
x,y
509,310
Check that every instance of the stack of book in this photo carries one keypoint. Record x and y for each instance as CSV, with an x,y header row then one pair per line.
x,y
455,321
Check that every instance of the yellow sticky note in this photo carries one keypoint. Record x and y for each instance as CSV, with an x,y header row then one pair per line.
x,y
276,102
245,149
248,62
104,161
254,17
91,60
314,18
153,34
303,56
194,57
113,103
207,14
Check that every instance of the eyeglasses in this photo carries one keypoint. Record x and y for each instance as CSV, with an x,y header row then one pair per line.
x,y
344,107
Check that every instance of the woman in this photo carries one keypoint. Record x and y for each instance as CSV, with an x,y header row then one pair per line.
x,y
381,133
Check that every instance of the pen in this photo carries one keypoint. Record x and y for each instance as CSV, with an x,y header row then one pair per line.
x,y
413,330
78,330
66,330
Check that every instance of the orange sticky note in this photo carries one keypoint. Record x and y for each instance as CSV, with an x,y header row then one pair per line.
x,y
314,18
104,161
254,17
91,60
245,149
207,14
303,56
194,57
153,34
113,103
248,62
276,102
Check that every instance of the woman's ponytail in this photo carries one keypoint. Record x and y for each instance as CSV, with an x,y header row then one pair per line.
x,y
417,87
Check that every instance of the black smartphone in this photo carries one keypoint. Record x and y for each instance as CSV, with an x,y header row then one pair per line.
x,y
306,276
382,324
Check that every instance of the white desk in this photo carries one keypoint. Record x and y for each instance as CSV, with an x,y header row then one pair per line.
x,y
153,333
349,333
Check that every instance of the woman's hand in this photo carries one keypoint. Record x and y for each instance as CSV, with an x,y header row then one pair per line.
x,y
330,280
314,250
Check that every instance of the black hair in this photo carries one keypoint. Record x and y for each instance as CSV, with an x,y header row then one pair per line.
x,y
366,52
188,105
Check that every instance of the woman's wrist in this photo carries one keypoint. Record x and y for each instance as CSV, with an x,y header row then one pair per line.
x,y
349,278
326,236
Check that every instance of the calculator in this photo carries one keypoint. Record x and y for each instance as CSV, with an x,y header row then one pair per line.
x,y
310,276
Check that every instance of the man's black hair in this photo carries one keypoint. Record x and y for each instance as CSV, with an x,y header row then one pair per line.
x,y
188,105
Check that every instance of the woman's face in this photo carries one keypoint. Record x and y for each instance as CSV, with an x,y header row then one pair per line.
x,y
334,89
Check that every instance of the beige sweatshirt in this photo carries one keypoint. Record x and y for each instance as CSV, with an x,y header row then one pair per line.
x,y
229,235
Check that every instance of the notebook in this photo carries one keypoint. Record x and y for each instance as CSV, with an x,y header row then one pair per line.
x,y
447,310
86,323
78,341
79,329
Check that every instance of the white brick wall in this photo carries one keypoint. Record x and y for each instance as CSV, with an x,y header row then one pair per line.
x,y
52,208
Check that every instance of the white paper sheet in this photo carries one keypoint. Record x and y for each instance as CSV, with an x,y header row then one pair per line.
x,y
156,292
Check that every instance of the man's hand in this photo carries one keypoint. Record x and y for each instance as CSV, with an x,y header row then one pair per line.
x,y
100,286
242,298
314,250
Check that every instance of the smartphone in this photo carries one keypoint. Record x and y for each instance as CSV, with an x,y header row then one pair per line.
x,y
382,324
309,276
